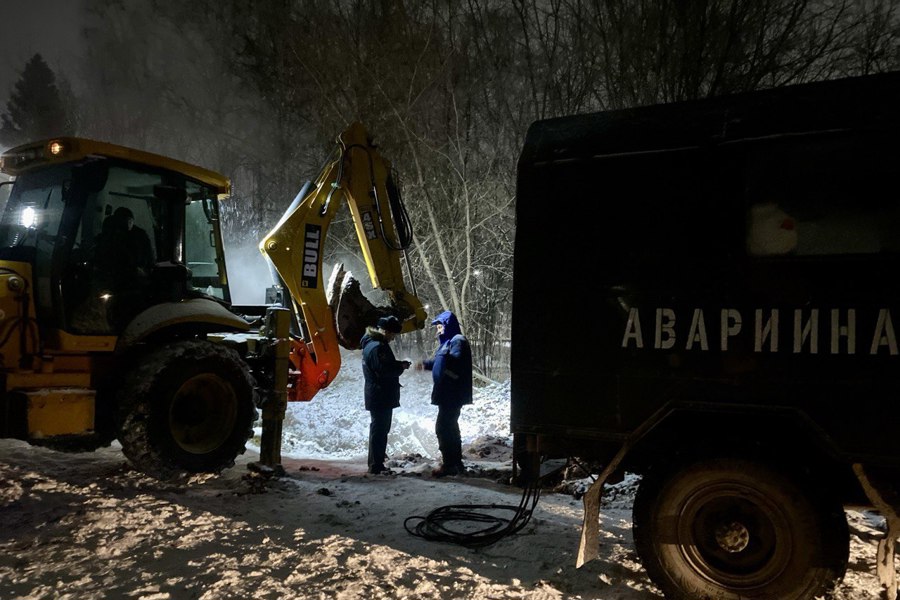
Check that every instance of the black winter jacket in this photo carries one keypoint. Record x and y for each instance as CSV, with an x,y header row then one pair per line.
x,y
381,370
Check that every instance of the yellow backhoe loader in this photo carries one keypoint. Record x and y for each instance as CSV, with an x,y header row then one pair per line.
x,y
115,313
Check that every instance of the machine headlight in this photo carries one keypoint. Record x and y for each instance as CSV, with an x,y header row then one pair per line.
x,y
29,217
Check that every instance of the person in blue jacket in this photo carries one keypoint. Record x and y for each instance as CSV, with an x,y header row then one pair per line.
x,y
382,390
451,371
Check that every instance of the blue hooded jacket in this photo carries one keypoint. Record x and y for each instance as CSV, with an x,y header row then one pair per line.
x,y
451,367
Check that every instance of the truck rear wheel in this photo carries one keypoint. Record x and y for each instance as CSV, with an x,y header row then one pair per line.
x,y
730,529
188,407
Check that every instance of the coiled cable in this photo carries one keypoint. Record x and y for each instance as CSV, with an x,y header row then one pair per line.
x,y
436,525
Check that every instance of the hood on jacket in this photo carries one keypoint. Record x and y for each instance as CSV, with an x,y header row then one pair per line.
x,y
372,333
451,325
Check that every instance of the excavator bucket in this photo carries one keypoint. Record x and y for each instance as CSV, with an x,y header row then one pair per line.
x,y
351,309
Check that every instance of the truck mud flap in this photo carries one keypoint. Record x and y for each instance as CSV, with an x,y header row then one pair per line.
x,y
588,548
887,502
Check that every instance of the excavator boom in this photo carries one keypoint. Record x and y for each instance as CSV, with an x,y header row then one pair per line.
x,y
337,314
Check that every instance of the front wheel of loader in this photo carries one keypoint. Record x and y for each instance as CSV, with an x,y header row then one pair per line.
x,y
186,407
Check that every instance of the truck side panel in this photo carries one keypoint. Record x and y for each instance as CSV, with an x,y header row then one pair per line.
x,y
747,263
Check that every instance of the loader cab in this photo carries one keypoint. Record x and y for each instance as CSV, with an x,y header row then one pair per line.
x,y
109,232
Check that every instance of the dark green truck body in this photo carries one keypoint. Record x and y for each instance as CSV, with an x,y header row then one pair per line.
x,y
715,278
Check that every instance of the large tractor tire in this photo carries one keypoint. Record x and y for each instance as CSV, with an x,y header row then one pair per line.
x,y
186,407
734,529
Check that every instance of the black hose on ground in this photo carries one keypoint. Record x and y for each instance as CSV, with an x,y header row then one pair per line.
x,y
436,525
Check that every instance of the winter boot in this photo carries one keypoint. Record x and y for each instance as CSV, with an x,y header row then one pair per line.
x,y
445,470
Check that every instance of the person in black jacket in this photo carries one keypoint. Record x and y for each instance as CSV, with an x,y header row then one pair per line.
x,y
382,393
124,259
451,371
124,249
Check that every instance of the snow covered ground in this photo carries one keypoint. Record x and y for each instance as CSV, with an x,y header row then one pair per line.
x,y
335,425
90,527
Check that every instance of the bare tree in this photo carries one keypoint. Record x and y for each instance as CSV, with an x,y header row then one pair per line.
x,y
674,50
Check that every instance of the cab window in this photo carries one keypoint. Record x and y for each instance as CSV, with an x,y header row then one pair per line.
x,y
201,255
822,195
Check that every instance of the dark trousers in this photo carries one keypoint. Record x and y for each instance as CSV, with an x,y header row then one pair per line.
x,y
379,427
447,429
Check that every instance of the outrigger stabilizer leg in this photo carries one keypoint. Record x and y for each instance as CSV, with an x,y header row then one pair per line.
x,y
274,399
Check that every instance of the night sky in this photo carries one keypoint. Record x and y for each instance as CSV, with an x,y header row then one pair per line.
x,y
51,27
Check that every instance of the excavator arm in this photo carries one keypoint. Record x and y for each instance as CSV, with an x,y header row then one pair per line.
x,y
338,313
